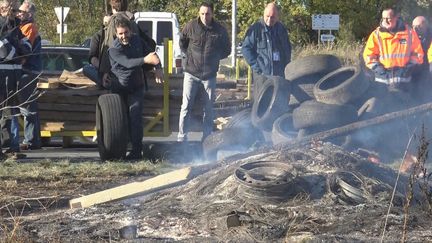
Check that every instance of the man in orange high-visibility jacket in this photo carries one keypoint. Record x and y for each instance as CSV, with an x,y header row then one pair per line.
x,y
393,50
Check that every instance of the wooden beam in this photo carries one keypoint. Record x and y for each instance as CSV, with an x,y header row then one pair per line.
x,y
131,188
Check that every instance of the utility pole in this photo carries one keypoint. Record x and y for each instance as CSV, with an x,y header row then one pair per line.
x,y
233,34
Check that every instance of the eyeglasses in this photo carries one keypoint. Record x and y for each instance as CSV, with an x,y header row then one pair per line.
x,y
387,19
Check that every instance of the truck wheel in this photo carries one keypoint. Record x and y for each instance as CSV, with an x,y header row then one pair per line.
x,y
111,127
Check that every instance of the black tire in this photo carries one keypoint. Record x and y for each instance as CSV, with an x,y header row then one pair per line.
x,y
300,93
111,127
341,86
272,102
311,65
283,129
241,119
234,138
312,113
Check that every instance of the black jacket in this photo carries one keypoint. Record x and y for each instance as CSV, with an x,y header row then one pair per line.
x,y
126,62
204,46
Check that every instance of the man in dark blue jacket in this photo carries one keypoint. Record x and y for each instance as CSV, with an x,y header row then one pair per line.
x,y
127,56
266,47
205,43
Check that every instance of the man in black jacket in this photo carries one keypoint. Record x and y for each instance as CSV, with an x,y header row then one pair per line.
x,y
127,56
205,43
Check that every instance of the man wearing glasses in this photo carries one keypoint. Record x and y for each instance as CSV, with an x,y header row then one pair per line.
x,y
392,51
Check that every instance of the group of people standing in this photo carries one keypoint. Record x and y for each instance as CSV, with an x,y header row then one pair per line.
x,y
20,63
395,52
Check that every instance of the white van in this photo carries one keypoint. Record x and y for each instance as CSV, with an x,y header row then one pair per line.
x,y
160,25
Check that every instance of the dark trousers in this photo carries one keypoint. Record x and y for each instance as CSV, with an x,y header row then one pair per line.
x,y
258,81
134,102
8,86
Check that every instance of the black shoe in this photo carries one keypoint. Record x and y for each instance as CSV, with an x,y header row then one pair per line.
x,y
133,155
25,146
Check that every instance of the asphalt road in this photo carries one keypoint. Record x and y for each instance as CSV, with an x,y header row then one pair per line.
x,y
87,150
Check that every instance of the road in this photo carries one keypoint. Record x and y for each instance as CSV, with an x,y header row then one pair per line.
x,y
87,150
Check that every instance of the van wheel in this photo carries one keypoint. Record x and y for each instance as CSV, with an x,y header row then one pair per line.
x,y
111,127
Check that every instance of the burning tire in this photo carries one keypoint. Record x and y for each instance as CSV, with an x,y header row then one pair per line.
x,y
111,127
283,129
341,86
312,113
310,66
234,138
241,119
272,101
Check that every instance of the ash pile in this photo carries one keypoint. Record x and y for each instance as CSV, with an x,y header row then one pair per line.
x,y
314,193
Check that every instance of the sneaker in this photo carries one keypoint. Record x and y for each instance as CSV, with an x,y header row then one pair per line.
x,y
182,139
134,156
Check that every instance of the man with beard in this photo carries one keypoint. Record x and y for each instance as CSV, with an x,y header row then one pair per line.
x,y
127,55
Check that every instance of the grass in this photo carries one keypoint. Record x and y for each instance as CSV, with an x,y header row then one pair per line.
x,y
49,170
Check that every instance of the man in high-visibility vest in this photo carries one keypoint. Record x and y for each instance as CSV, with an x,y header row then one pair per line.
x,y
393,50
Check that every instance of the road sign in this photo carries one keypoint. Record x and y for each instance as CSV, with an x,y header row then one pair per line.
x,y
325,22
327,37
59,28
58,12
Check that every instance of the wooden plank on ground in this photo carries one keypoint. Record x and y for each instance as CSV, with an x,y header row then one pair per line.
x,y
131,189
44,85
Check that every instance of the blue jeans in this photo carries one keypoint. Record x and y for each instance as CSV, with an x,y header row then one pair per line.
x,y
191,86
27,86
92,73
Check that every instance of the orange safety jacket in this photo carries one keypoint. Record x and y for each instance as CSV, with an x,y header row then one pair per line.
x,y
393,50
30,31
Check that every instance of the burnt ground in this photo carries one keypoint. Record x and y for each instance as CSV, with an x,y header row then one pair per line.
x,y
312,203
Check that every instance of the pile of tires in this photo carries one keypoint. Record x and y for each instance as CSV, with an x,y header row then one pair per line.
x,y
316,94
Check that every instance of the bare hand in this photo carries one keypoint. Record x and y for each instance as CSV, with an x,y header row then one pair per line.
x,y
106,19
159,75
152,58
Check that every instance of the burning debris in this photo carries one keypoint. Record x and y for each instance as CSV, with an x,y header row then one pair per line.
x,y
309,193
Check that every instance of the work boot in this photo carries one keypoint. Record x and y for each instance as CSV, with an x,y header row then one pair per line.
x,y
26,146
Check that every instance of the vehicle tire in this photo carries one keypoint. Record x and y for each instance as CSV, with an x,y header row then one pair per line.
x,y
311,65
233,138
312,113
283,129
300,93
241,119
111,127
341,86
272,101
